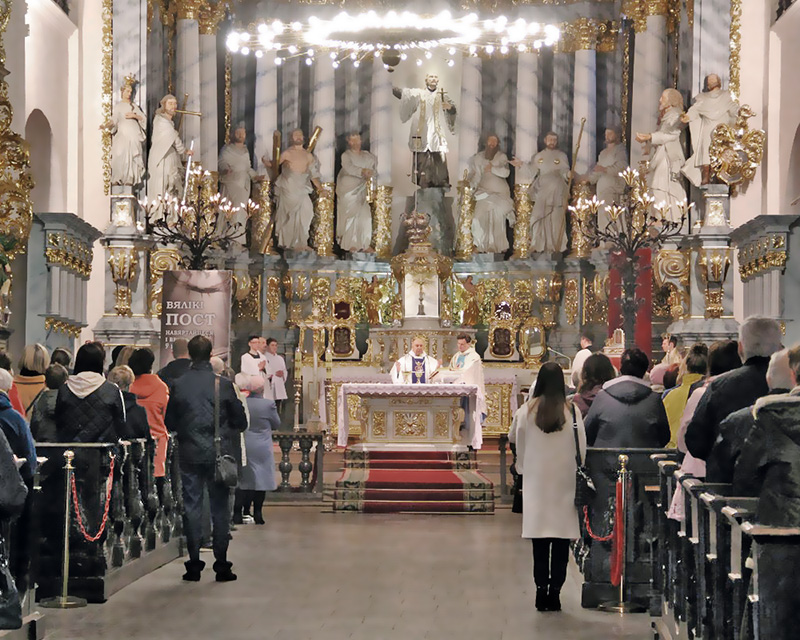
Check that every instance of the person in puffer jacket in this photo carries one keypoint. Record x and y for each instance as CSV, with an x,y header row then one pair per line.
x,y
626,412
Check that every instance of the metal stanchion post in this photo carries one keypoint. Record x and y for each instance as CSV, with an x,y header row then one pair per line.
x,y
65,601
621,606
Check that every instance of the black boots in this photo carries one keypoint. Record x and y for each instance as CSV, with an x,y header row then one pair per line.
x,y
223,570
548,601
541,599
193,570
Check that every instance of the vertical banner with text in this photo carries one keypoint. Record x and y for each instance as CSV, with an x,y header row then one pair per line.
x,y
196,303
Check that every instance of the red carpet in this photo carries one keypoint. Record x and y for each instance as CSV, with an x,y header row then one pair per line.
x,y
412,481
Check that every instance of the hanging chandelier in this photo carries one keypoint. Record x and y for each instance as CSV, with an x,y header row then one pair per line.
x,y
393,36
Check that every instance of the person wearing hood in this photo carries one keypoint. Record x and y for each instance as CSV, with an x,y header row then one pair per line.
x,y
596,371
88,407
735,430
771,455
626,412
152,393
416,367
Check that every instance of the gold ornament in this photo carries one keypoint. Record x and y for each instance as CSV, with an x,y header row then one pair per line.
x,y
273,297
734,59
161,260
466,211
571,300
107,87
122,262
522,227
383,222
736,151
323,235
262,221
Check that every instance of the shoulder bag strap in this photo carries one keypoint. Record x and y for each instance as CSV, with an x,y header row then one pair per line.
x,y
33,402
575,433
217,444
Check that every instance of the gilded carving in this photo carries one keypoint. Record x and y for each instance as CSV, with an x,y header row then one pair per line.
x,y
522,227
734,59
441,426
587,34
262,221
571,300
107,87
466,210
713,265
273,297
228,94
379,424
383,222
161,260
250,304
671,273
62,326
210,15
522,300
122,262
320,294
410,424
626,78
736,151
323,231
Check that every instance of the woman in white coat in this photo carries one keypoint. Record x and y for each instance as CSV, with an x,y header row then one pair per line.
x,y
543,432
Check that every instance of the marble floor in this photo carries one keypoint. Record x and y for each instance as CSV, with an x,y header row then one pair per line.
x,y
310,574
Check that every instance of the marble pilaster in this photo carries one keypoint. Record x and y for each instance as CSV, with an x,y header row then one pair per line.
x,y
527,129
381,128
469,111
563,67
584,105
290,98
266,111
188,78
324,115
130,52
649,80
209,125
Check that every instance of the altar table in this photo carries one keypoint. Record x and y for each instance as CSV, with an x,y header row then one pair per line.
x,y
409,413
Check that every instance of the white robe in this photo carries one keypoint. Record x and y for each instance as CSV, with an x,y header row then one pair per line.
x,y
666,161
610,187
577,365
710,109
276,387
547,464
424,109
472,373
549,171
127,152
249,364
164,163
354,216
493,204
236,178
295,210
406,364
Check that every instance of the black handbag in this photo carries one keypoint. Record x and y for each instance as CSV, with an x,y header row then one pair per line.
x,y
10,603
12,489
584,485
225,469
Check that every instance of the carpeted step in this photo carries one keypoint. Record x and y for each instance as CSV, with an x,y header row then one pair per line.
x,y
408,455
430,506
410,464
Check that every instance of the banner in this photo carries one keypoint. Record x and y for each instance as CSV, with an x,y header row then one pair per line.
x,y
196,303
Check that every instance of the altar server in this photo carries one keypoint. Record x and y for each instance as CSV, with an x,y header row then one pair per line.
x,y
253,363
468,363
416,367
276,373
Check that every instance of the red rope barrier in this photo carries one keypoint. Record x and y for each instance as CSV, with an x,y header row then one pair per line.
x,y
109,484
618,546
591,533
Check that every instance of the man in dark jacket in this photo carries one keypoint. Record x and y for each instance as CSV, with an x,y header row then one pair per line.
x,y
770,460
759,338
190,413
737,427
179,365
626,412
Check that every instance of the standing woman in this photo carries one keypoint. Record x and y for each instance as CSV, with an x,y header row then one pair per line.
x,y
30,379
543,433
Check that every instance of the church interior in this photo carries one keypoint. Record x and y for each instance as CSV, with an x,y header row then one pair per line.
x,y
495,181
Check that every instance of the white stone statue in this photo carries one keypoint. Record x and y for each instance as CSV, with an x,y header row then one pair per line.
x,y
548,172
236,174
431,113
164,163
487,173
127,128
666,153
354,216
293,188
711,107
612,161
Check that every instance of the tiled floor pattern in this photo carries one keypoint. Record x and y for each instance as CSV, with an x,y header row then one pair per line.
x,y
309,574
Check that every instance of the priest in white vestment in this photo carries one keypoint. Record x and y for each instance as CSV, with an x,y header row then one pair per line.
x,y
712,107
416,367
469,365
548,172
293,189
164,164
127,127
354,216
666,153
432,113
612,161
236,174
276,373
487,174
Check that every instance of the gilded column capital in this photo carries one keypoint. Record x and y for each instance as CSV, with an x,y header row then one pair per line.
x,y
189,9
210,16
587,34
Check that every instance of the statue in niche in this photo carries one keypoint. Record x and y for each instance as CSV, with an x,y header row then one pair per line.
x,y
298,177
666,153
471,315
165,161
372,301
429,111
612,161
236,174
548,173
354,216
127,128
712,107
487,173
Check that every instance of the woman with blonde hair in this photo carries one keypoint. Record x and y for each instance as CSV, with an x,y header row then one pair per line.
x,y
30,379
548,431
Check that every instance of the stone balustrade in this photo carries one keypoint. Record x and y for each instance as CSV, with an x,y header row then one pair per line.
x,y
310,472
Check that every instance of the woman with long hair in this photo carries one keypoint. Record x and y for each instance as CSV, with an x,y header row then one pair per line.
x,y
596,371
544,430
30,379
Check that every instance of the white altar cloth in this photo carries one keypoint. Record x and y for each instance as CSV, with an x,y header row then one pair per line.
x,y
373,390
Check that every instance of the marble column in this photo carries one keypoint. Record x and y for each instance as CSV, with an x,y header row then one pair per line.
x,y
527,129
188,72
584,105
130,52
209,121
563,66
469,111
649,76
324,115
380,136
290,96
266,111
